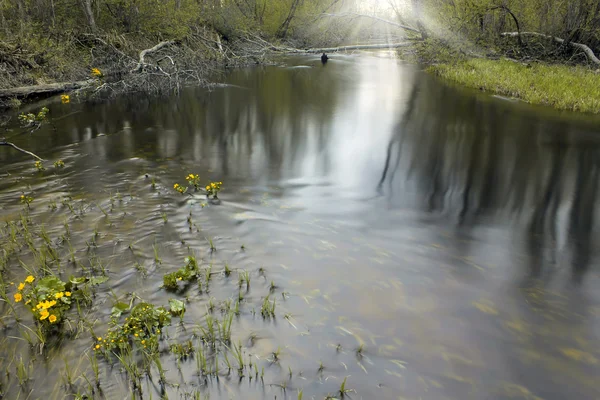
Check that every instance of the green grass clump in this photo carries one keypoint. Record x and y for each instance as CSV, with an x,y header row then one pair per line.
x,y
560,86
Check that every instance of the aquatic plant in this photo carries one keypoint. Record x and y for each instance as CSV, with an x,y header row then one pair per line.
x,y
185,274
31,119
65,99
25,199
193,180
59,164
213,188
39,166
179,188
142,327
48,299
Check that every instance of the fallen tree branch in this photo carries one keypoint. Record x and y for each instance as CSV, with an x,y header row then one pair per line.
x,y
352,14
47,89
5,143
588,52
142,62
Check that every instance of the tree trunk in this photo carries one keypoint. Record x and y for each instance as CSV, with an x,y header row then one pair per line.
x,y
89,13
285,26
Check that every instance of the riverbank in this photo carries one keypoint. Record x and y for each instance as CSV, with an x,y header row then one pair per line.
x,y
559,86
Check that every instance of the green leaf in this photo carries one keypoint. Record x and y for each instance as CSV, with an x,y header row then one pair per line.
x,y
96,280
77,281
118,309
50,284
177,307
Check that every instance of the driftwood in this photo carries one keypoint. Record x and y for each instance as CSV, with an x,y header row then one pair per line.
x,y
47,89
5,143
142,63
588,52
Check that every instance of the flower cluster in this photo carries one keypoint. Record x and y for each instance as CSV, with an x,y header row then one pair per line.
x,y
213,188
193,180
49,299
142,327
97,73
65,99
59,164
39,166
26,200
32,119
179,188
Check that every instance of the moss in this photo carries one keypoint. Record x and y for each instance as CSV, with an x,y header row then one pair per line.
x,y
560,86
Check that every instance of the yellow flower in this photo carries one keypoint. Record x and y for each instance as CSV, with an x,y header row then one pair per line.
x,y
18,297
45,314
65,99
59,295
96,72
22,196
52,318
68,294
29,279
175,186
207,187
51,303
136,335
21,286
39,305
143,342
97,346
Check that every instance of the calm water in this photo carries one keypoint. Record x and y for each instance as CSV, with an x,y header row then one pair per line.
x,y
449,234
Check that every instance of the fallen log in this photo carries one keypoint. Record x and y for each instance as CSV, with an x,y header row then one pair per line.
x,y
588,51
47,89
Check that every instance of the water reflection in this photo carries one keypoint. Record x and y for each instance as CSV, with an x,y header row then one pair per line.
x,y
446,230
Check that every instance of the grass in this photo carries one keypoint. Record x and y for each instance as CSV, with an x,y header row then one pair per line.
x,y
560,86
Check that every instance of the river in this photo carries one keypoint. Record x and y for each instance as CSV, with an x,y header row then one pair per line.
x,y
420,240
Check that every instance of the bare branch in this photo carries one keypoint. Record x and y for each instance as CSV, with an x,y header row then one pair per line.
x,y
141,64
588,52
5,143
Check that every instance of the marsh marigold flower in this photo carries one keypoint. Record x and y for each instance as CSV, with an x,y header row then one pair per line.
x,y
18,297
21,286
29,279
59,295
52,318
44,314
96,72
68,294
65,99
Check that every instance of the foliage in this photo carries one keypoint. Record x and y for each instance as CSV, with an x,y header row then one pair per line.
x,y
30,119
179,188
48,299
142,327
193,180
185,274
213,188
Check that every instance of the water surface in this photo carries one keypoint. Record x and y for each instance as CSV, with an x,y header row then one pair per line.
x,y
424,241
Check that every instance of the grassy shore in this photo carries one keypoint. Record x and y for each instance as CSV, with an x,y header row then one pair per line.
x,y
559,86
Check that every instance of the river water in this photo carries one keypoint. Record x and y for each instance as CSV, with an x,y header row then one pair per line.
x,y
423,241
